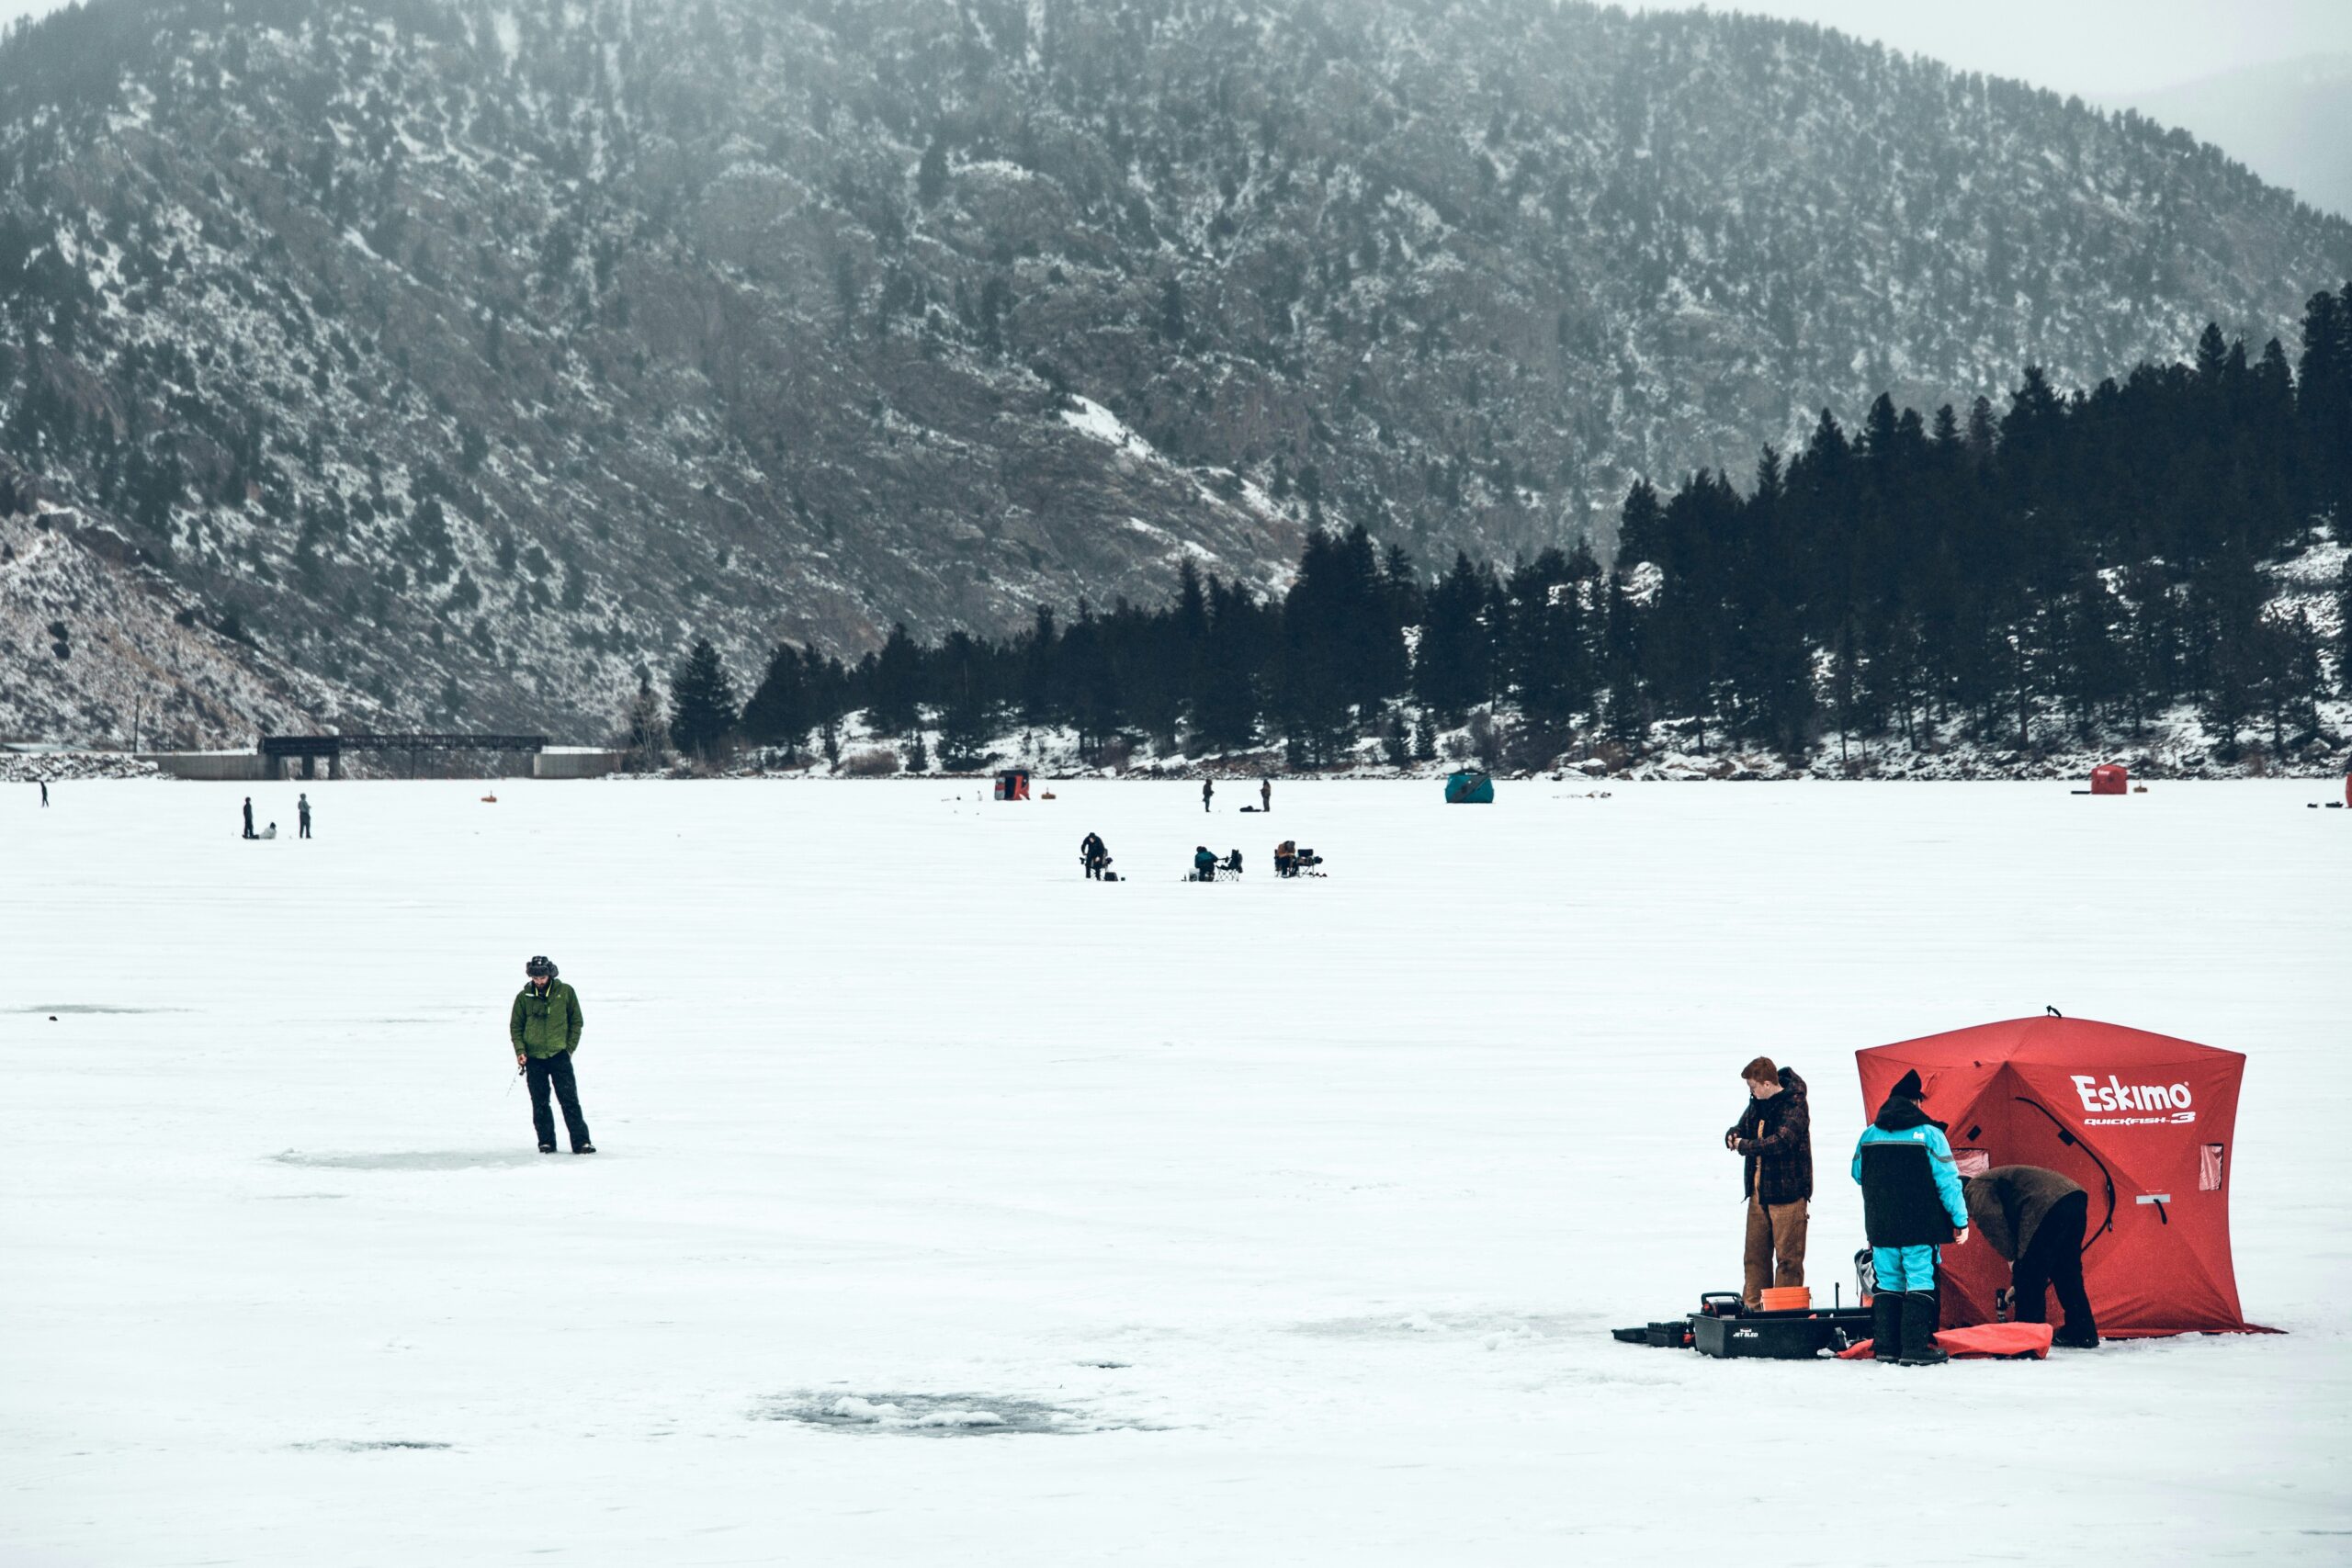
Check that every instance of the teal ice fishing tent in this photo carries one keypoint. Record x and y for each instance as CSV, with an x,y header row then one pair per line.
x,y
1470,787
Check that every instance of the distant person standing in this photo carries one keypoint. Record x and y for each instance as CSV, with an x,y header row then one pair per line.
x,y
1774,1138
302,805
1265,794
1208,788
249,818
544,1025
44,795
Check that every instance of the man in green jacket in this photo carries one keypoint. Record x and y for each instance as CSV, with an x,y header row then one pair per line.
x,y
544,1025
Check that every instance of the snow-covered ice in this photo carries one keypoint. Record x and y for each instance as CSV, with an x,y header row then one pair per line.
x,y
951,1207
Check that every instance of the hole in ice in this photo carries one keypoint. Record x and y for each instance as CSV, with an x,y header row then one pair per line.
x,y
930,1415
344,1445
412,1159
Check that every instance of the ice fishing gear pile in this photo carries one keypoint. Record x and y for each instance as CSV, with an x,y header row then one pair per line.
x,y
1787,1327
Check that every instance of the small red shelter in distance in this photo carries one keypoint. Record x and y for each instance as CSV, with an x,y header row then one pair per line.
x,y
2110,778
2144,1123
1013,783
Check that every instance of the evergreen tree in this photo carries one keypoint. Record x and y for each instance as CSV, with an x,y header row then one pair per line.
x,y
782,708
1396,743
702,701
966,721
1170,324
893,685
931,176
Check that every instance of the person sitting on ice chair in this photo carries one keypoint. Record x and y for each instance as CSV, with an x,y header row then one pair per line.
x,y
1232,863
1204,863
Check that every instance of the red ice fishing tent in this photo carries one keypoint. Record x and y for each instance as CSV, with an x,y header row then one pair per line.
x,y
2143,1121
1013,783
2110,778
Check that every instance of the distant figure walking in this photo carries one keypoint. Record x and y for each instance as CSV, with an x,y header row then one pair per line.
x,y
1208,788
44,795
268,832
302,805
249,818
544,1025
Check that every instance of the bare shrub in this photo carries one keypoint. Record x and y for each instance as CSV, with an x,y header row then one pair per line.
x,y
877,763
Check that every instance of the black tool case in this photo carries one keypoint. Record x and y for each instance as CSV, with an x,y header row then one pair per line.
x,y
1780,1335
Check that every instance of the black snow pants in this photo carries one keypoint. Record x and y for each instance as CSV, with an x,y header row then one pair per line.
x,y
2055,1259
556,1070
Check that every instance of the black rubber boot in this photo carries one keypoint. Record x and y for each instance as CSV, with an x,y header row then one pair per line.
x,y
1919,1347
1886,1327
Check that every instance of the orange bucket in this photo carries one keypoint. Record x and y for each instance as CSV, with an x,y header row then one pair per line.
x,y
1788,1298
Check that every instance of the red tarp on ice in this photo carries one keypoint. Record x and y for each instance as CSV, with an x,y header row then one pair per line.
x,y
2006,1341
2144,1121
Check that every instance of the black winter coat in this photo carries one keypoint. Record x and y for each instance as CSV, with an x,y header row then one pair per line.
x,y
1902,1204
1776,1135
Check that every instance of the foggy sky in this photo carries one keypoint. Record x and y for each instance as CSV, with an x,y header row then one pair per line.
x,y
2107,49
2101,49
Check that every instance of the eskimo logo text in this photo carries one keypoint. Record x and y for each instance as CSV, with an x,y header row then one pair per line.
x,y
2172,1103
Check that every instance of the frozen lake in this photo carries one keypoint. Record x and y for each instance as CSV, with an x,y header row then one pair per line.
x,y
1270,1222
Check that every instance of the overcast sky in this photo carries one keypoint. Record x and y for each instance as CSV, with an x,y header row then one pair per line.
x,y
2104,49
2101,49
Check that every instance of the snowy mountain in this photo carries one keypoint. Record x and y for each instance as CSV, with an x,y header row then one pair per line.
x,y
421,362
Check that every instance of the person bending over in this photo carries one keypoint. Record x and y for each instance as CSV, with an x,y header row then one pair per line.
x,y
2036,1219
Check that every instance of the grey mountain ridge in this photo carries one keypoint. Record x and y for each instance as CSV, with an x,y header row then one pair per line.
x,y
414,363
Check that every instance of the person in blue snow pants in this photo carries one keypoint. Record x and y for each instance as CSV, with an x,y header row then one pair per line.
x,y
1912,1204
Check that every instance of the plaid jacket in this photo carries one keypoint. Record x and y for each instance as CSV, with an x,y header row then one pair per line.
x,y
1776,1135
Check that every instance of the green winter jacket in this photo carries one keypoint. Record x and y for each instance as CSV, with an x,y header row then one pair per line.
x,y
544,1025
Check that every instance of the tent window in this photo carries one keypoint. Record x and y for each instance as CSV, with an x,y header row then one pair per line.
x,y
2208,1168
1971,1162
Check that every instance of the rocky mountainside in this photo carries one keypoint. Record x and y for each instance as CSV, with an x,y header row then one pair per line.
x,y
408,362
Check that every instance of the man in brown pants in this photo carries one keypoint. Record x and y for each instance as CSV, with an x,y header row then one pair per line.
x,y
1774,1139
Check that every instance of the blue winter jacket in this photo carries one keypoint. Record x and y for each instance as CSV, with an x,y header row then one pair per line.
x,y
1898,1210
